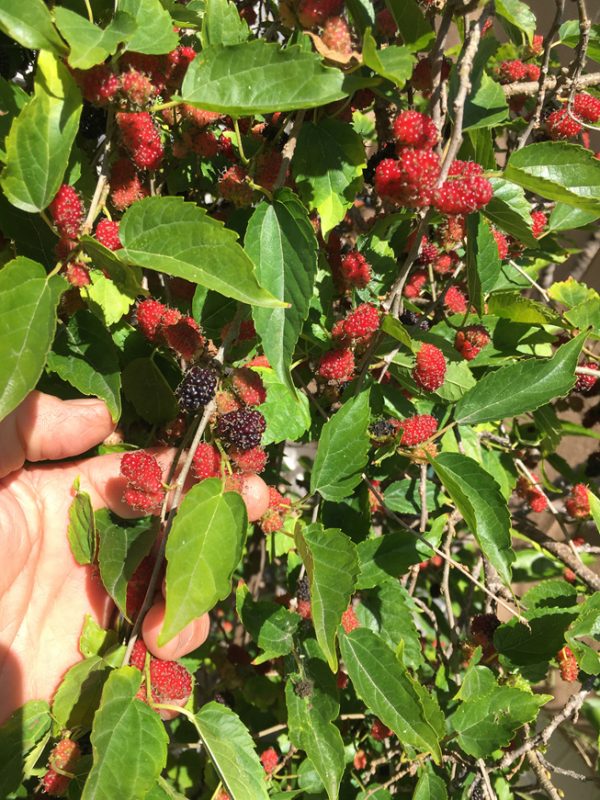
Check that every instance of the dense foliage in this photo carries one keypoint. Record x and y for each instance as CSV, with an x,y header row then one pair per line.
x,y
311,246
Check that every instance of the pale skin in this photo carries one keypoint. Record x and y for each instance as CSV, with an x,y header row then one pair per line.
x,y
44,594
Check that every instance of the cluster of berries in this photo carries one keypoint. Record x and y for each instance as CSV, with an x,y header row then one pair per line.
x,y
354,331
145,490
61,766
161,324
170,682
516,70
531,492
412,178
578,504
471,340
565,123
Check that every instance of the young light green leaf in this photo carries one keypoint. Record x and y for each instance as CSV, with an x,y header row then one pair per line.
x,y
513,306
203,549
483,261
147,390
129,742
327,166
30,24
82,527
122,544
258,77
84,355
311,729
286,411
222,24
78,696
154,32
271,626
40,139
480,501
332,567
510,210
28,302
169,235
382,682
394,62
106,299
343,450
127,278
457,381
521,387
565,218
231,750
518,14
281,242
558,171
91,45
18,735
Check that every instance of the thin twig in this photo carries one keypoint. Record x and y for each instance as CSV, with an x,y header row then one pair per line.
x,y
486,779
542,776
102,183
532,87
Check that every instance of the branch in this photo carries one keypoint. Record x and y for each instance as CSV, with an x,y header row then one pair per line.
x,y
288,150
542,776
532,87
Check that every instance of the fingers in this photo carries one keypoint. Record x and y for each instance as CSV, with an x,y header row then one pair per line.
x,y
191,637
101,478
44,427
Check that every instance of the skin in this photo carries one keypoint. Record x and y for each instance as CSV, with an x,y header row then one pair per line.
x,y
44,594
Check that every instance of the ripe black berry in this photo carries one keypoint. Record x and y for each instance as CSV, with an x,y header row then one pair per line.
x,y
382,430
243,428
303,589
409,318
197,388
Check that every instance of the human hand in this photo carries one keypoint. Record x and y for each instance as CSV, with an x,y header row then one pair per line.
x,y
44,593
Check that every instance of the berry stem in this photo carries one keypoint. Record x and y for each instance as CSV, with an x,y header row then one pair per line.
x,y
90,13
238,136
163,106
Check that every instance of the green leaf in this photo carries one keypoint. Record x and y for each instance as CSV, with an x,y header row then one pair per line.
x,y
78,696
558,171
271,626
394,63
570,292
395,328
510,210
513,306
12,100
28,302
570,35
82,528
387,556
332,567
32,237
94,640
518,14
414,29
488,721
203,549
167,234
84,355
222,24
147,390
586,627
528,648
40,139
480,501
327,166
286,411
154,27
594,508
483,261
403,496
388,611
429,786
30,24
383,684
486,104
311,728
127,278
231,749
90,45
258,77
566,218
521,387
457,381
122,546
343,450
281,242
362,14
18,735
586,315
129,742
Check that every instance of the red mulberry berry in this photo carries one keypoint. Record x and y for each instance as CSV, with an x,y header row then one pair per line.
x,y
141,138
455,300
562,126
248,386
315,12
585,383
379,731
253,460
337,365
184,336
233,187
142,471
445,263
417,429
269,759
67,211
567,663
107,233
149,316
361,323
350,620
206,462
512,71
415,283
355,270
99,85
125,185
430,368
538,223
578,504
587,107
78,274
410,180
336,35
413,129
137,87
471,340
